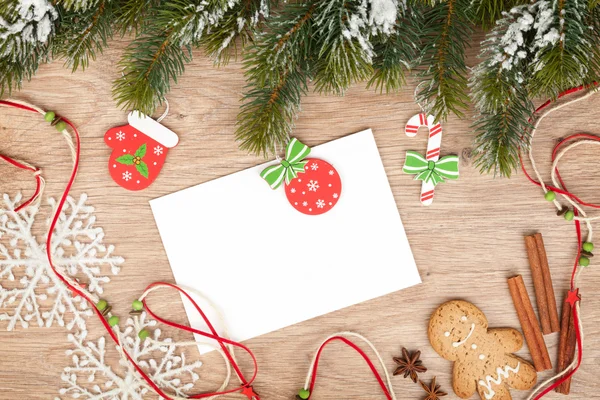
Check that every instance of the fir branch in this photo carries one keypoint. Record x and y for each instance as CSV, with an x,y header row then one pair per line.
x,y
345,53
82,34
241,23
397,54
277,68
502,134
499,92
77,5
157,57
487,12
448,33
26,32
131,14
267,117
568,53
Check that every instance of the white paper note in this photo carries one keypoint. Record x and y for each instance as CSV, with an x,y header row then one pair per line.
x,y
267,266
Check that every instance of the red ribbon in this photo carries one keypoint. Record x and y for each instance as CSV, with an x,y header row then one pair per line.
x,y
245,388
565,192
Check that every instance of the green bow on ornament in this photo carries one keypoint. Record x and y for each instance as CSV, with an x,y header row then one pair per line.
x,y
431,171
289,167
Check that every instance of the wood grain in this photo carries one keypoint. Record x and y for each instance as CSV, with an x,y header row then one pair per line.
x,y
466,244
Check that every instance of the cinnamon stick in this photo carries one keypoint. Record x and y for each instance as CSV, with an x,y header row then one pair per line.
x,y
529,324
566,346
549,289
538,283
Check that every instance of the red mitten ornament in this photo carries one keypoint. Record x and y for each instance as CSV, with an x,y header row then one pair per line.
x,y
312,186
139,150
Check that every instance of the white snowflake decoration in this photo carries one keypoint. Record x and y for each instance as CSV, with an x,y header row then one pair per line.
x,y
120,136
91,378
313,186
30,292
158,150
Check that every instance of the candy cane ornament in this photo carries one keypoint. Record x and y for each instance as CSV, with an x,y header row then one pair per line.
x,y
429,168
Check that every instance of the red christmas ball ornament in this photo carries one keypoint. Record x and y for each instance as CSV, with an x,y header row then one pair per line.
x,y
139,151
312,186
316,190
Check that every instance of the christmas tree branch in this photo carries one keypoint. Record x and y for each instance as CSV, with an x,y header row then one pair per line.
x,y
277,68
499,92
158,55
397,54
449,28
568,52
82,34
344,50
26,31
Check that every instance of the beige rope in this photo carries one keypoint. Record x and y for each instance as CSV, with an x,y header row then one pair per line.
x,y
364,339
583,217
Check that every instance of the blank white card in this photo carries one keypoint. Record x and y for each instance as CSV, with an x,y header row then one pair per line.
x,y
267,266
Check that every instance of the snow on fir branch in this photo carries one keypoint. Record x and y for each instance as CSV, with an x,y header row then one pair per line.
x,y
532,49
92,376
25,24
30,292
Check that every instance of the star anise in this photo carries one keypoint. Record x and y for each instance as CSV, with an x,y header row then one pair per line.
x,y
433,391
409,364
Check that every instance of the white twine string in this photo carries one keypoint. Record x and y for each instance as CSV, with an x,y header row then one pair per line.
x,y
557,204
364,339
120,347
165,113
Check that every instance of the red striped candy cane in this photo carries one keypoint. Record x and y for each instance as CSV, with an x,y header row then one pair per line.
x,y
433,147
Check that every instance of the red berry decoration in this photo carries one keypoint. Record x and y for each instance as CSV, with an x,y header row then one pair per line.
x,y
312,186
139,151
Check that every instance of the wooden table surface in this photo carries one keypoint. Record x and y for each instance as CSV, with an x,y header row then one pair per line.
x,y
466,245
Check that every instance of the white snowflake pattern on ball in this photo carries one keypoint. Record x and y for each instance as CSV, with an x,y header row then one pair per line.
x,y
126,176
305,203
30,292
120,136
335,195
91,377
293,190
331,172
313,186
314,166
320,203
158,150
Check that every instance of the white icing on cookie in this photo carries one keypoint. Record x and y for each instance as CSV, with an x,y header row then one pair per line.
x,y
473,346
446,334
456,344
463,318
481,356
490,380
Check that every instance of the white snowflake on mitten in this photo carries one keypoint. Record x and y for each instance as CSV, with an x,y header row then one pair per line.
x,y
30,292
90,377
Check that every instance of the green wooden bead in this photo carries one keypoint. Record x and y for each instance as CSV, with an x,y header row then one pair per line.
x,y
137,305
584,261
588,246
143,334
113,321
61,126
550,195
303,394
569,215
101,304
49,116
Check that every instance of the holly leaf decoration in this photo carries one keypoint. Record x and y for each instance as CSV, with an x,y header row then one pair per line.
x,y
127,159
141,152
142,168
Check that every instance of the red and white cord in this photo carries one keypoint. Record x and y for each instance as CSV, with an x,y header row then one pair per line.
x,y
226,345
558,186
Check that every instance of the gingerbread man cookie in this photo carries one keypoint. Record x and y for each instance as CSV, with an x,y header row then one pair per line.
x,y
483,359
